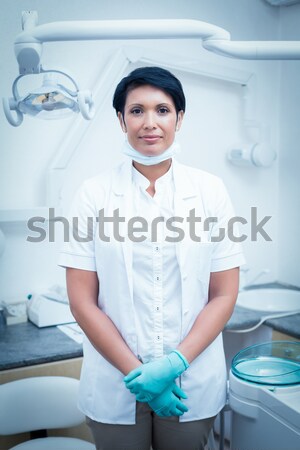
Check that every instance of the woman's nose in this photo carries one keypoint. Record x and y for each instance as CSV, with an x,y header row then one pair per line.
x,y
149,121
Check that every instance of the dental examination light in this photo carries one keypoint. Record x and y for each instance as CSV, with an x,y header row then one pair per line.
x,y
50,101
55,100
51,96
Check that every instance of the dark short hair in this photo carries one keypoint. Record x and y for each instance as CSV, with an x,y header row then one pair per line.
x,y
153,76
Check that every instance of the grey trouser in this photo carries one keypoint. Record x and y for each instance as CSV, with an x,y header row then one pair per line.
x,y
162,433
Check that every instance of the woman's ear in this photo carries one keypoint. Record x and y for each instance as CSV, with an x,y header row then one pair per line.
x,y
122,123
180,116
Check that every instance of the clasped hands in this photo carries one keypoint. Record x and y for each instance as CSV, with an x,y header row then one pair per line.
x,y
153,383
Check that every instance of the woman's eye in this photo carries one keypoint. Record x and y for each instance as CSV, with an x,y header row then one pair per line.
x,y
163,110
136,111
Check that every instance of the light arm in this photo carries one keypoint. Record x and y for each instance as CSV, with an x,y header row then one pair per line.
x,y
28,44
84,30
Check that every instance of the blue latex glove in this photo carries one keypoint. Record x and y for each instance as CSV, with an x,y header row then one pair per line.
x,y
151,379
168,402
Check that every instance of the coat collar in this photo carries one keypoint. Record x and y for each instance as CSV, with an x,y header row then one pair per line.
x,y
122,179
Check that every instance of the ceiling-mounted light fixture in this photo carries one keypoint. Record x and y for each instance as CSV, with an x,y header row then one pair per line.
x,y
51,96
50,101
55,98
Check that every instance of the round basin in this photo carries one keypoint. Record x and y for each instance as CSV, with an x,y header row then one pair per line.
x,y
276,363
270,300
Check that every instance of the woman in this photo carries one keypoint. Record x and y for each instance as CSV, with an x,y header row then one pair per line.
x,y
154,282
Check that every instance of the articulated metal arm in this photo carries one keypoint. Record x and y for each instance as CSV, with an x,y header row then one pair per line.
x,y
28,44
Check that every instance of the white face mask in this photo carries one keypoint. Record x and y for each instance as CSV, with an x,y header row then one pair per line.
x,y
150,160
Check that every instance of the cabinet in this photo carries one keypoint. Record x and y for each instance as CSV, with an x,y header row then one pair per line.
x,y
277,336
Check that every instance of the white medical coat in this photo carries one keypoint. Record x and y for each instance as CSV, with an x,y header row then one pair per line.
x,y
103,395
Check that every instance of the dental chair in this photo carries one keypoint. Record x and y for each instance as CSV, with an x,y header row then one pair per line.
x,y
40,403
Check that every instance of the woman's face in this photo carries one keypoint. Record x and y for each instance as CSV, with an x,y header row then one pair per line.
x,y
150,120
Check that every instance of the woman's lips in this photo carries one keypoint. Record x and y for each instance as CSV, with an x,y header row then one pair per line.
x,y
150,138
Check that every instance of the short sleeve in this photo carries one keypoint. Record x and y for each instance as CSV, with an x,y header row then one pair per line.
x,y
227,253
78,249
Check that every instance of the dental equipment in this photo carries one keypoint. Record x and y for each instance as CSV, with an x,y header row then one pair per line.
x,y
42,102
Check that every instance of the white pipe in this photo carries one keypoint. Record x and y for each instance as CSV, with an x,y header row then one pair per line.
x,y
254,49
122,29
214,38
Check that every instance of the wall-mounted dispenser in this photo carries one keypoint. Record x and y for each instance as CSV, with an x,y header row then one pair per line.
x,y
259,155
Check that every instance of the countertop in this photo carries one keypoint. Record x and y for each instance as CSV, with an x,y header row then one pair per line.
x,y
26,345
243,319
